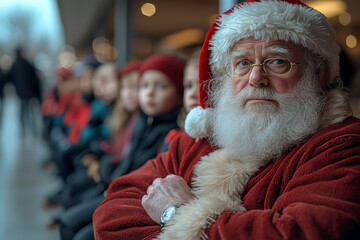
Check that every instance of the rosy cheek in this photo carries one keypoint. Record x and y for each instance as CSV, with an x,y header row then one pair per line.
x,y
238,85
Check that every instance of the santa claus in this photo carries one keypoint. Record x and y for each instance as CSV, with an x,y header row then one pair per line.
x,y
272,152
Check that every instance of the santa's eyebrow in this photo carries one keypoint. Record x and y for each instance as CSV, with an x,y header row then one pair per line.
x,y
273,50
279,50
241,53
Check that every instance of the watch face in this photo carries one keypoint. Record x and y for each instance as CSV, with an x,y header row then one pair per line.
x,y
167,214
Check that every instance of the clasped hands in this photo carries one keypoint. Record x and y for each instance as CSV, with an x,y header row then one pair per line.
x,y
165,192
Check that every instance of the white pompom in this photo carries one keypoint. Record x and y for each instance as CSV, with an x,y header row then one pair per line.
x,y
198,122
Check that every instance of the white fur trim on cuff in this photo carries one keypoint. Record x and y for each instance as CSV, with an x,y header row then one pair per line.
x,y
198,122
192,219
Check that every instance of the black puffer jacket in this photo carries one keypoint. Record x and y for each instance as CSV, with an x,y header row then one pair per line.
x,y
147,139
23,76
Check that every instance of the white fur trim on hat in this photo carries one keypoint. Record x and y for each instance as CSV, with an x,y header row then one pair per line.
x,y
275,20
198,122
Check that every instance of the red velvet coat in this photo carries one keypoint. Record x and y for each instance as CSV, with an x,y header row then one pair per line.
x,y
311,192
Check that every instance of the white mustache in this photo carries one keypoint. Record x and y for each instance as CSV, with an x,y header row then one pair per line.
x,y
248,93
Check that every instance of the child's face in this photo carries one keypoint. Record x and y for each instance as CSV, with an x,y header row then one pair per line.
x,y
106,87
191,87
157,93
129,91
68,85
85,80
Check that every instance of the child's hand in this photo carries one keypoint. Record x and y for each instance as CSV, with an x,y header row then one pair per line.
x,y
87,159
93,171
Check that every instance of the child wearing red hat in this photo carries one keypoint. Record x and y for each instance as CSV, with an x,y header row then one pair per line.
x,y
160,99
190,98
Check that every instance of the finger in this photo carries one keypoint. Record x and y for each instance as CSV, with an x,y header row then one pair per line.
x,y
170,176
149,189
156,180
143,200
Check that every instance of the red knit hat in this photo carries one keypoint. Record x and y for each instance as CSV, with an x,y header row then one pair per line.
x,y
64,73
172,67
288,20
131,66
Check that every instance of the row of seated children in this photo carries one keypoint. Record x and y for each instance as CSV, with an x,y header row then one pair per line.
x,y
159,97
76,222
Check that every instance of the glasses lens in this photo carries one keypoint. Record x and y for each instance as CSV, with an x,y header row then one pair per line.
x,y
277,66
237,69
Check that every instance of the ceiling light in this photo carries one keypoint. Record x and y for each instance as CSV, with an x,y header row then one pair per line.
x,y
351,41
184,38
345,18
328,8
148,9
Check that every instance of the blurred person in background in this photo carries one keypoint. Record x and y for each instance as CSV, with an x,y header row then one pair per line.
x,y
86,74
190,98
3,81
23,76
57,104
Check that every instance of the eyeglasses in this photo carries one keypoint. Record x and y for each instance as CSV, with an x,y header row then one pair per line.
x,y
271,66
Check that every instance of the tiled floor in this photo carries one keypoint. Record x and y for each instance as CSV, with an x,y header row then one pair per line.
x,y
23,184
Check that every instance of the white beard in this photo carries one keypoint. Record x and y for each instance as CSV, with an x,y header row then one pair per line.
x,y
262,132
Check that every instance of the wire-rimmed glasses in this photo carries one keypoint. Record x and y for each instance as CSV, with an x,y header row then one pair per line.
x,y
271,66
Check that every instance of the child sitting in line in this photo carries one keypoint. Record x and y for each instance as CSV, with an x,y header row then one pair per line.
x,y
122,121
56,108
160,99
191,96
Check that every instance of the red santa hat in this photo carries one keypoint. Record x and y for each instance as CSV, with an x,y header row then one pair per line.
x,y
288,20
172,67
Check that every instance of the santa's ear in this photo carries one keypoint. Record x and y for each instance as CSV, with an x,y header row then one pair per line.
x,y
323,73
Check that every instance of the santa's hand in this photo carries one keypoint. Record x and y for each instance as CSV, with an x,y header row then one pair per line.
x,y
165,192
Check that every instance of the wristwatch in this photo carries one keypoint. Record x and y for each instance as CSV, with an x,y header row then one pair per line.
x,y
167,214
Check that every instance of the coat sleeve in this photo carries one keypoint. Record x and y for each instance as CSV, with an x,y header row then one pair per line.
x,y
320,201
121,215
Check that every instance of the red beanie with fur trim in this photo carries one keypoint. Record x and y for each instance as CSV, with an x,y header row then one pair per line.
x,y
172,67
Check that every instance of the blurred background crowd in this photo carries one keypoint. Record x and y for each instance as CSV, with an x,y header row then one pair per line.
x,y
89,90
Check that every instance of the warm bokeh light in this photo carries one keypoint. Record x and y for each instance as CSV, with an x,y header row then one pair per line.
x,y
351,41
148,9
184,38
67,58
103,50
345,18
329,8
212,18
100,45
111,53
